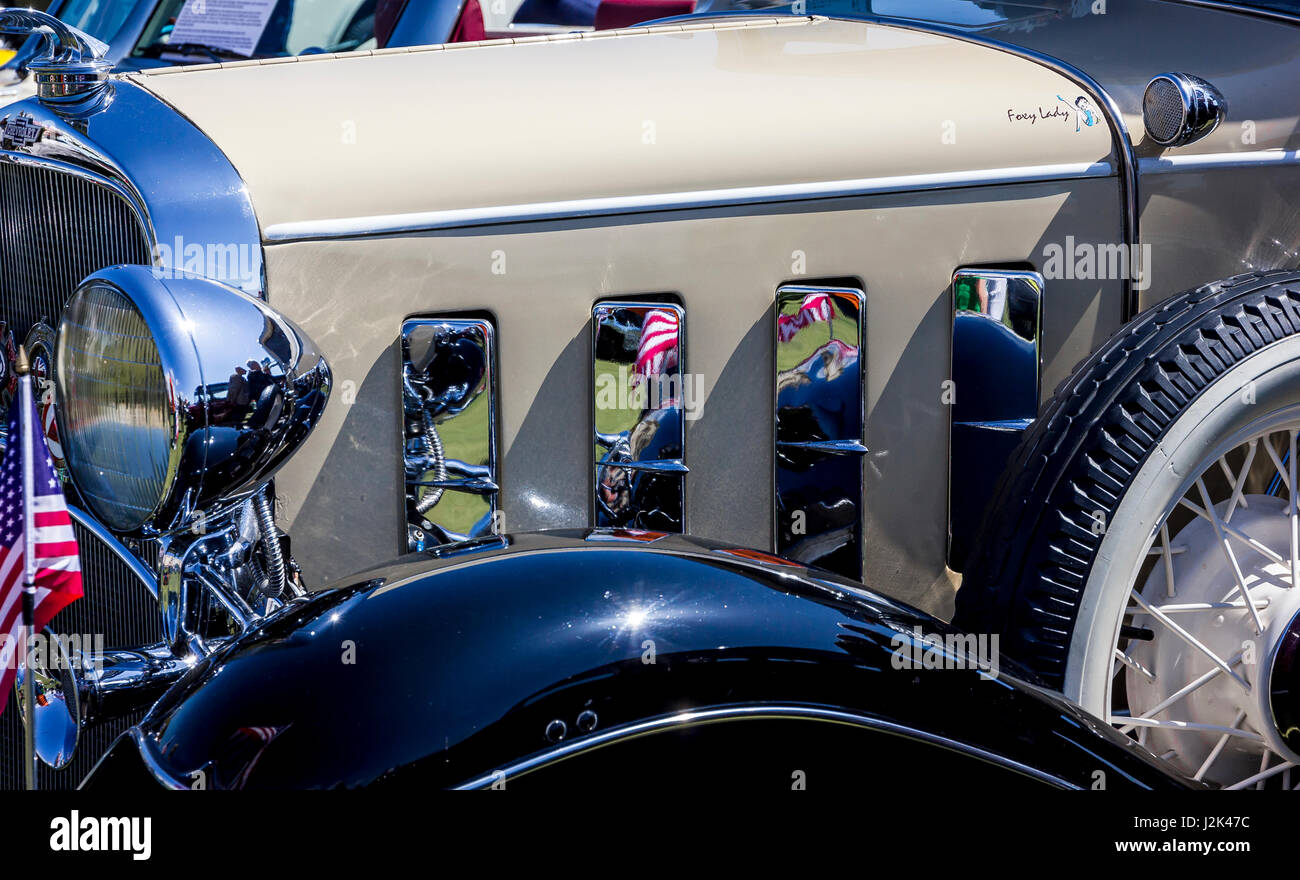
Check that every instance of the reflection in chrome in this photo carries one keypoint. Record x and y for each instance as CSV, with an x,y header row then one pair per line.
x,y
449,430
638,374
54,698
820,395
996,353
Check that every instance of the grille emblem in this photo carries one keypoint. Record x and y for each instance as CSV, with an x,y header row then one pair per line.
x,y
20,131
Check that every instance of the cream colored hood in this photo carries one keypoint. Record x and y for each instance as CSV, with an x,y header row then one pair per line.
x,y
672,109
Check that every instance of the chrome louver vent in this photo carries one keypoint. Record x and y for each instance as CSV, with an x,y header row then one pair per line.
x,y
55,229
117,606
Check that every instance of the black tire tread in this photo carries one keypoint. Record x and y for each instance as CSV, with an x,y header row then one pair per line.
x,y
1036,545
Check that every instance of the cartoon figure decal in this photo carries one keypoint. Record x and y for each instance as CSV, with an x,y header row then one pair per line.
x,y
1083,112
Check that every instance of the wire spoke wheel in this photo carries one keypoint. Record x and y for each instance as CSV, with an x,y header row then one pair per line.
x,y
1213,596
1143,551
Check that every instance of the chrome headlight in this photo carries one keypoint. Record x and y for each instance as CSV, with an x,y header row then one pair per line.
x,y
177,393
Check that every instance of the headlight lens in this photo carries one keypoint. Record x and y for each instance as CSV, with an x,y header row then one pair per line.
x,y
117,410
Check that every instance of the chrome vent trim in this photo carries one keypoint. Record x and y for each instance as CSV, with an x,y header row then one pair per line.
x,y
638,414
449,430
819,425
994,395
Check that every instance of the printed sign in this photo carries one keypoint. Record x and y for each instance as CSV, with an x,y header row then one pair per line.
x,y
236,25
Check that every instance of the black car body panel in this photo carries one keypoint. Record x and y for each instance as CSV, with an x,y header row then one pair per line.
x,y
446,667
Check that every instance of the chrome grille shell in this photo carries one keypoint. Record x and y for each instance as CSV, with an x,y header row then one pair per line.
x,y
84,195
57,226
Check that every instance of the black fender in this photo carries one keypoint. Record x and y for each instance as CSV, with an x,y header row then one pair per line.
x,y
444,666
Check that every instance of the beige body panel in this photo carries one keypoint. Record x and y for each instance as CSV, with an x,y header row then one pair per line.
x,y
620,113
645,114
342,492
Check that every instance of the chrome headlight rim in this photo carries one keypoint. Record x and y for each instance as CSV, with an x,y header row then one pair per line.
x,y
161,317
203,331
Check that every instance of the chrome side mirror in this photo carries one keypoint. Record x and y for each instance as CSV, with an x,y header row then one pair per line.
x,y
1178,109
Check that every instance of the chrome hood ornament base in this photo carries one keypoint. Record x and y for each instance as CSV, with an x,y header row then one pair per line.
x,y
71,71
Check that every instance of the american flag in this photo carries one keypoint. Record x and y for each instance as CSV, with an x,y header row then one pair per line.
x,y
657,353
58,569
246,746
815,307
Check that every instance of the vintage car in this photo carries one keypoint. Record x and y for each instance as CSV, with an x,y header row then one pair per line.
x,y
888,239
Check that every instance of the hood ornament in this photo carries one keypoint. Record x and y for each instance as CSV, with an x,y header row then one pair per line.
x,y
70,68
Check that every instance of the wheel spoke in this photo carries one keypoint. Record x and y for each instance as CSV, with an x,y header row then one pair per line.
x,y
1190,639
1168,553
1189,725
1260,777
1282,469
1182,692
1232,557
1188,607
1218,748
1135,666
1238,484
1234,532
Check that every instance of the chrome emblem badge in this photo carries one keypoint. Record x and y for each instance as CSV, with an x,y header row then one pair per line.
x,y
20,130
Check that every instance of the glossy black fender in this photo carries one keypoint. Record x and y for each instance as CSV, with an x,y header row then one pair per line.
x,y
446,666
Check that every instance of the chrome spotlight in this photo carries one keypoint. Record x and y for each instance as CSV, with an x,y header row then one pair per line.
x,y
178,395
1178,108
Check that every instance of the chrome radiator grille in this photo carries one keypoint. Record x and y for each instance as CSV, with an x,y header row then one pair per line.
x,y
116,605
55,229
